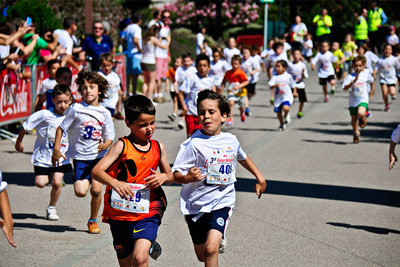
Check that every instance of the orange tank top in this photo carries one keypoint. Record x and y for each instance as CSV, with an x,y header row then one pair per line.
x,y
132,166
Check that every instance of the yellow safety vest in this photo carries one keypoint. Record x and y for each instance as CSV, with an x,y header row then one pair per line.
x,y
374,19
321,28
361,30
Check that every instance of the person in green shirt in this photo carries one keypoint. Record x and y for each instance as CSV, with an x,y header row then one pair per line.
x,y
33,58
323,23
340,60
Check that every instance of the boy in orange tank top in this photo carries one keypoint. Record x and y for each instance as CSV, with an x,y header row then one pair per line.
x,y
134,201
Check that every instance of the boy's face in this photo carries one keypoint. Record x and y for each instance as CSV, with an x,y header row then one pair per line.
x,y
324,47
279,50
279,68
246,54
203,68
358,66
235,64
143,127
61,103
335,46
210,117
106,67
53,69
178,62
216,56
297,56
187,62
65,78
387,51
90,93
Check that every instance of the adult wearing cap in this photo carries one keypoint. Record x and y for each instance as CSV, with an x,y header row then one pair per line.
x,y
324,24
361,27
376,18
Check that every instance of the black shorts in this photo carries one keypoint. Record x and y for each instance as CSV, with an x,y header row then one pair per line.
x,y
216,219
323,81
302,95
173,95
389,85
47,171
339,74
251,88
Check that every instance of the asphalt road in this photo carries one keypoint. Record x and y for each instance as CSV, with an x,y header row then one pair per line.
x,y
328,202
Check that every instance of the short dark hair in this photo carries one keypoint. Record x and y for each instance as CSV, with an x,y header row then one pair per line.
x,y
223,104
106,57
283,63
136,18
61,89
68,22
51,62
62,70
93,77
236,58
276,45
201,57
188,54
360,58
136,105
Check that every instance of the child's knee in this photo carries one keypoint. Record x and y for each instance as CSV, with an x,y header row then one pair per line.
x,y
56,183
210,250
40,184
95,192
140,258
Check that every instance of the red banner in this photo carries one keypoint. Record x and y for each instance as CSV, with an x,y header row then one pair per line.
x,y
15,96
120,69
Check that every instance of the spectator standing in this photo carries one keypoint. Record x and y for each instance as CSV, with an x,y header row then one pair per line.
x,y
200,40
324,24
134,43
40,44
297,33
376,18
361,28
65,39
156,18
97,43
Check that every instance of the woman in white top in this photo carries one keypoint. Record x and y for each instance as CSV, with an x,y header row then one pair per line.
x,y
148,62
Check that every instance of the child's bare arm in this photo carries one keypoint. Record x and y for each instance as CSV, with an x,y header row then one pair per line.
x,y
99,171
105,145
6,223
347,87
392,155
165,175
193,175
249,165
57,143
18,144
39,102
181,99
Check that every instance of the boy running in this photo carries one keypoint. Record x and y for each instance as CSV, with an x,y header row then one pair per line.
x,y
206,166
134,202
299,71
48,84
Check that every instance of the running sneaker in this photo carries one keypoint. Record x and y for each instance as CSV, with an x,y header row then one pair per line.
x,y
299,115
63,183
356,139
172,116
287,118
368,113
181,125
119,116
155,250
222,246
229,122
362,122
52,214
387,108
271,100
243,117
393,97
326,99
248,113
93,228
333,91
282,127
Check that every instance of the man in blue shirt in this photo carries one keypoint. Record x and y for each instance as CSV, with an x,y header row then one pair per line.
x,y
97,43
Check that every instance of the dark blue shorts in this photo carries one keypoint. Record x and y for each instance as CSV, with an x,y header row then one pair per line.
x,y
286,103
125,233
82,169
217,219
112,111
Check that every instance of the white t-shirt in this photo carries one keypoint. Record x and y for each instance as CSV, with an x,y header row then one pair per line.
x,y
392,39
114,85
324,62
217,70
46,122
358,93
133,31
149,56
396,135
229,53
267,52
199,42
286,47
65,40
273,58
181,73
247,66
4,51
283,91
297,29
164,33
198,151
296,70
387,67
3,184
191,86
371,58
47,84
307,50
209,52
257,59
87,126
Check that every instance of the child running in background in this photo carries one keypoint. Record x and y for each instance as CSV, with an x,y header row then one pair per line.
x,y
283,83
326,73
114,83
48,84
395,139
90,132
134,202
170,82
218,68
387,66
46,122
307,48
237,92
299,72
358,83
206,168
190,88
251,68
63,76
340,59
278,54
349,50
392,38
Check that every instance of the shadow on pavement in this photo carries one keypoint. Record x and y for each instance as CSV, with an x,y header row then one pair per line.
x,y
14,152
28,178
371,229
326,142
22,216
48,228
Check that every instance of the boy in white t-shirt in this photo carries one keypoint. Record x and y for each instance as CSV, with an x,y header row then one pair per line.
x,y
218,67
279,54
46,122
90,132
48,84
114,92
358,83
392,38
231,50
307,47
186,70
251,68
326,73
394,140
299,71
206,167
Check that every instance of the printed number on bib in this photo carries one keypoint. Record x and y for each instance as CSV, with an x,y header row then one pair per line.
x,y
140,203
220,167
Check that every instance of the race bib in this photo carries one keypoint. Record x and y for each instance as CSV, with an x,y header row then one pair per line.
x,y
232,87
356,91
51,136
220,168
140,203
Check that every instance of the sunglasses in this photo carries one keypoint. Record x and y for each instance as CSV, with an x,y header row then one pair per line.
x,y
98,28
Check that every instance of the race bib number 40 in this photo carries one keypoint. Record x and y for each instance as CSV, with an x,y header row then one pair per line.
x,y
220,168
140,203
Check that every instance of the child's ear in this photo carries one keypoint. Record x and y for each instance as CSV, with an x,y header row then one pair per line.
x,y
224,117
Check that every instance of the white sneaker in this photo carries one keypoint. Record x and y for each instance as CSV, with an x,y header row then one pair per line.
x,y
172,116
287,118
52,214
181,125
222,246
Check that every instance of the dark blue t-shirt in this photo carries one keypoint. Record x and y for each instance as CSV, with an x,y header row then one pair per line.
x,y
94,49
